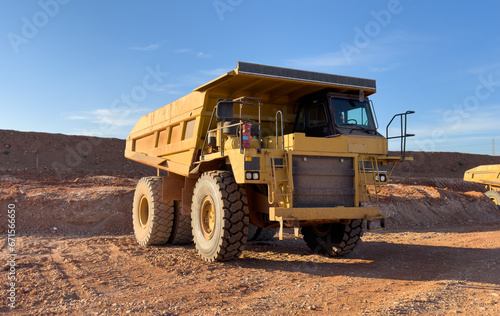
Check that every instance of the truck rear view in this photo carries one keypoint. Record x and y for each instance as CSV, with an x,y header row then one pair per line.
x,y
265,147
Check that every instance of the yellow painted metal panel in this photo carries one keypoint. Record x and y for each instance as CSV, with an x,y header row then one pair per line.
x,y
145,144
176,134
322,213
162,138
485,174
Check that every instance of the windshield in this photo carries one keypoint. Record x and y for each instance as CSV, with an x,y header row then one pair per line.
x,y
352,113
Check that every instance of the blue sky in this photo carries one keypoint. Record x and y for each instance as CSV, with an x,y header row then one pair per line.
x,y
94,67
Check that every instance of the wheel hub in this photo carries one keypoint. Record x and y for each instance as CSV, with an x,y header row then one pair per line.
x,y
143,211
207,217
494,200
322,230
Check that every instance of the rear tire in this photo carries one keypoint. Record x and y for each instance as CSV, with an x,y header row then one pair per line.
x,y
335,239
261,234
181,231
152,218
494,196
219,216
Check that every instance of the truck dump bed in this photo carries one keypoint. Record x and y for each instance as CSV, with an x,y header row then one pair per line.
x,y
488,175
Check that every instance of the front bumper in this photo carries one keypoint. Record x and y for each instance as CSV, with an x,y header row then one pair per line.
x,y
322,213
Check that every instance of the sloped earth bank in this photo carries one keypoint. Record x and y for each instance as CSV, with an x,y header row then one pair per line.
x,y
76,255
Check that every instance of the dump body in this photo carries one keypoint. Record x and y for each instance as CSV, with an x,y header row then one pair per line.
x,y
304,146
489,175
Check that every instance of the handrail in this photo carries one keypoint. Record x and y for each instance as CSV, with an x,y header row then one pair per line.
x,y
240,118
403,134
208,133
240,99
282,130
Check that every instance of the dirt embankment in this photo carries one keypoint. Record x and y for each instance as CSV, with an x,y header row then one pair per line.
x,y
40,155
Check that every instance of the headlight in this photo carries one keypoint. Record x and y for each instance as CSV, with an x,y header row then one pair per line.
x,y
248,176
383,178
255,176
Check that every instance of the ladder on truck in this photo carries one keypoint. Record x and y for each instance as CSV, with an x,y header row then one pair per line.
x,y
281,187
371,169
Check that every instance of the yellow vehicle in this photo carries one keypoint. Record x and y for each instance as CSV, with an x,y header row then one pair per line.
x,y
489,175
264,146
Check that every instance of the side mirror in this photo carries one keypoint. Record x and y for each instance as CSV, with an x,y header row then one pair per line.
x,y
225,110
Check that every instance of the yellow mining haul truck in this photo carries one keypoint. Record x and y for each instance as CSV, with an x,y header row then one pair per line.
x,y
489,175
264,147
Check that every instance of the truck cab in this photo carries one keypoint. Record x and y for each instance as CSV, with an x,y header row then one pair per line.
x,y
331,114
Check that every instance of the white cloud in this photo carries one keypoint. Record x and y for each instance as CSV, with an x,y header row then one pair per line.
x,y
77,117
170,88
460,130
215,72
148,48
112,118
203,55
479,70
117,117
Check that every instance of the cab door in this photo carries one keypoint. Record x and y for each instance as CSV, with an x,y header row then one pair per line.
x,y
313,120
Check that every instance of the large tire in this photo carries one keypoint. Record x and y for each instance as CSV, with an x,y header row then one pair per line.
x,y
181,231
335,239
494,196
152,217
219,216
261,234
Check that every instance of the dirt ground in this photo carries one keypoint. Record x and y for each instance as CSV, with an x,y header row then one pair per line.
x,y
422,272
76,254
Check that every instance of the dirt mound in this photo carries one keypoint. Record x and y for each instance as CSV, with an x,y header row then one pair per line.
x,y
64,156
438,203
441,164
90,206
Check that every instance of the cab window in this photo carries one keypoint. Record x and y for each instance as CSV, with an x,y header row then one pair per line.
x,y
317,115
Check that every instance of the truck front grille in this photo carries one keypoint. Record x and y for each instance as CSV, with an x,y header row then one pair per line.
x,y
323,181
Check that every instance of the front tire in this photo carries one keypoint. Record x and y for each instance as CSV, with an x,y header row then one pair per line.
x,y
335,239
494,196
219,216
151,216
